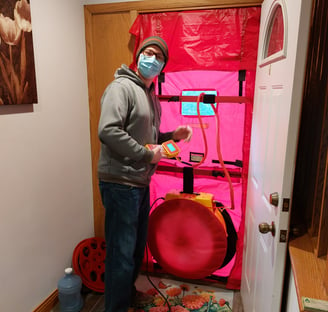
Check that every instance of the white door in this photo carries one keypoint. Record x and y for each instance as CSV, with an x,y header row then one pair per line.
x,y
277,105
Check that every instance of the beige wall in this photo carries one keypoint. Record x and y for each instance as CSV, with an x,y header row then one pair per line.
x,y
45,163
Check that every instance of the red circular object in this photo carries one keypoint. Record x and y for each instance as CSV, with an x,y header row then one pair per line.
x,y
186,238
89,262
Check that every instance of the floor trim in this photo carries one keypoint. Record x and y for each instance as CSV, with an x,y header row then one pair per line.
x,y
48,304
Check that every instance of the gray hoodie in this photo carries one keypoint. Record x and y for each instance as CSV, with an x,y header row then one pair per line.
x,y
130,119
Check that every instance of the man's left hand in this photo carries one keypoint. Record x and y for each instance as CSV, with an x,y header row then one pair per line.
x,y
182,133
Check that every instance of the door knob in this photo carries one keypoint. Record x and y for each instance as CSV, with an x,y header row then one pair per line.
x,y
266,228
274,199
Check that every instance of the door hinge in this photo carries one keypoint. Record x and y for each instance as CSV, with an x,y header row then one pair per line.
x,y
283,236
285,205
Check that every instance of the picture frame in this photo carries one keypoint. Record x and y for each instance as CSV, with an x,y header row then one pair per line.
x,y
17,66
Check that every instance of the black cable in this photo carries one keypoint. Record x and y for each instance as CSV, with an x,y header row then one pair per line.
x,y
151,207
151,282
147,259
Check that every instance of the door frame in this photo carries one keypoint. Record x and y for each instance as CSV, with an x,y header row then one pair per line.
x,y
133,8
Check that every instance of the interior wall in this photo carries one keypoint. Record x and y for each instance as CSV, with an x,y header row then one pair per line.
x,y
45,181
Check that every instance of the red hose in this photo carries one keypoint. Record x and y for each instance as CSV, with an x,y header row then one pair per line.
x,y
226,172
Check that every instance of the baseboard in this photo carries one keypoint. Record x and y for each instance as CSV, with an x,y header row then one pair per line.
x,y
48,304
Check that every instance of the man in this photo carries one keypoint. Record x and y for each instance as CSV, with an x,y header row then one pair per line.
x,y
130,119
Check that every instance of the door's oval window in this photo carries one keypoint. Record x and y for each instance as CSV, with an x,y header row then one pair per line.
x,y
274,44
276,36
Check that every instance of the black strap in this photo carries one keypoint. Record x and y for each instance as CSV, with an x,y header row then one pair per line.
x,y
160,80
241,78
188,180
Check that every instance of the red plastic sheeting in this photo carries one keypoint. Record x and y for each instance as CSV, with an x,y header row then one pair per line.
x,y
222,39
206,50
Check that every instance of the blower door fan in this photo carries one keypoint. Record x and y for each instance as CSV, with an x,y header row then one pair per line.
x,y
187,239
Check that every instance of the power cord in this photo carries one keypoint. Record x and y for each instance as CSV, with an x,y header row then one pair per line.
x,y
152,283
147,269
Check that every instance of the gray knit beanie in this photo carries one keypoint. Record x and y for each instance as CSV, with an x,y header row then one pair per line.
x,y
154,40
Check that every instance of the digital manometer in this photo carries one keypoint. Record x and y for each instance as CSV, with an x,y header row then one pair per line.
x,y
169,148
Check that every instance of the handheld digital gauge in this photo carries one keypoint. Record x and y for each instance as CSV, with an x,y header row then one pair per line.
x,y
169,148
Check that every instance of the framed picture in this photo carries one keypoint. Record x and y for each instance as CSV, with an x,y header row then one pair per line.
x,y
17,70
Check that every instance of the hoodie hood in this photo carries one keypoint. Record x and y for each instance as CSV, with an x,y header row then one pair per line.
x,y
126,72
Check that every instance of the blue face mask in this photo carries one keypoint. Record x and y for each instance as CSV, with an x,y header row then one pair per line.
x,y
149,67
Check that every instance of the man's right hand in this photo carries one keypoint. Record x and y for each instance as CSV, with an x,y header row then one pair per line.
x,y
157,154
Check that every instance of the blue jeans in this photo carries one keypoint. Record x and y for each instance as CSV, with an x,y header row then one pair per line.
x,y
126,225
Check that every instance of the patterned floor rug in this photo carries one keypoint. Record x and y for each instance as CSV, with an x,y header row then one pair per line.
x,y
177,296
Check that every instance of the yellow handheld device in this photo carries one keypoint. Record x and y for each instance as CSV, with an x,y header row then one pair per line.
x,y
171,149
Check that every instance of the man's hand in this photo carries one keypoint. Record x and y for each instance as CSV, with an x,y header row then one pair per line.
x,y
182,133
157,154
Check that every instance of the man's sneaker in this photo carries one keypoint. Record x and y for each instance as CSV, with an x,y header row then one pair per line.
x,y
141,299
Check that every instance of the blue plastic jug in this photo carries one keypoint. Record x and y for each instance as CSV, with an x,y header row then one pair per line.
x,y
69,292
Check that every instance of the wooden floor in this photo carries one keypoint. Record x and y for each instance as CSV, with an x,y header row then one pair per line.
x,y
237,305
94,302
